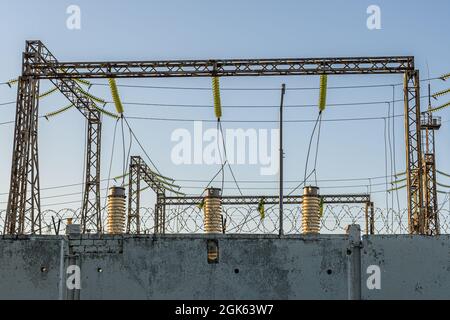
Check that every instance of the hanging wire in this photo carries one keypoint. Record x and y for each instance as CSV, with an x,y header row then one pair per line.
x,y
386,170
228,163
129,148
123,152
394,148
389,118
140,145
256,88
220,155
317,148
84,163
309,147
111,161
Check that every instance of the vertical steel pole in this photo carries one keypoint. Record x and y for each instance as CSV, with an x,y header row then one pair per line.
x,y
413,153
354,262
283,91
372,219
366,216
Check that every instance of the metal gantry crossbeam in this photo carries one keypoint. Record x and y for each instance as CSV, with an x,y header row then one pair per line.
x,y
227,67
255,200
39,64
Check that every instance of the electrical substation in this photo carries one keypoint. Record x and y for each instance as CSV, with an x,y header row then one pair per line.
x,y
124,250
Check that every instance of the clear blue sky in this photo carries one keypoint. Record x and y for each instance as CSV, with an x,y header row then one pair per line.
x,y
151,30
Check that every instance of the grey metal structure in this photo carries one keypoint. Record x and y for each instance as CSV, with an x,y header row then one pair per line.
x,y
24,195
429,125
158,183
39,63
287,199
250,266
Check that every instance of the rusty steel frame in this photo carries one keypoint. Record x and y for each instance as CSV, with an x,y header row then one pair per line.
x,y
369,213
230,67
41,64
140,170
24,206
287,199
254,200
414,171
428,126
24,194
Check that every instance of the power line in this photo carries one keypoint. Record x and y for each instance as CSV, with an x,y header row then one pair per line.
x,y
5,123
226,181
341,104
275,188
257,89
231,181
12,121
249,106
60,186
140,145
287,181
254,89
256,121
60,203
6,103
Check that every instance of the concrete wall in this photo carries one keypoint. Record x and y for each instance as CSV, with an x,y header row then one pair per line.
x,y
413,267
249,267
30,268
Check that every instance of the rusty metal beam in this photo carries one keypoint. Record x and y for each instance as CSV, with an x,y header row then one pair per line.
x,y
41,64
226,68
254,200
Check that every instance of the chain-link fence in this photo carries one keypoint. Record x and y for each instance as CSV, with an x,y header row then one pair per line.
x,y
247,219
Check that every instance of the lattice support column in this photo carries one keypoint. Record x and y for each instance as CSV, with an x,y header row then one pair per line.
x,y
430,191
160,213
91,214
91,220
23,214
413,153
371,218
429,124
33,205
134,192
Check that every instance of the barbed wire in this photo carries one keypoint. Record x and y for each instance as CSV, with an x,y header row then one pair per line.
x,y
246,219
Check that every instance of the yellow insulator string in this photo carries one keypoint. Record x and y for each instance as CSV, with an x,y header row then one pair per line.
x,y
59,111
216,96
323,92
322,105
47,93
115,95
445,76
440,107
92,97
441,93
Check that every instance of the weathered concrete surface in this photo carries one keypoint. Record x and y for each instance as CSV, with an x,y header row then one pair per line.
x,y
412,267
30,267
249,267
